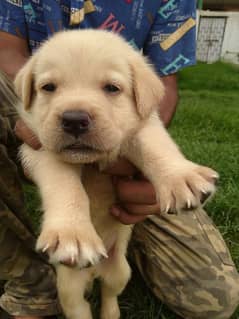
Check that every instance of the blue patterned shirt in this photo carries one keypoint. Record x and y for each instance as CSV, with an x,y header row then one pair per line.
x,y
163,29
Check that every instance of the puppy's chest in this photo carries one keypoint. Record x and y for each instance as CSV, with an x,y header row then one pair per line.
x,y
101,195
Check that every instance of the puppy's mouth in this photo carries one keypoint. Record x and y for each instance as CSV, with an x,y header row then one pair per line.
x,y
82,148
81,153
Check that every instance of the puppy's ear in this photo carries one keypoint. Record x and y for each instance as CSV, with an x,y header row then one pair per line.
x,y
147,86
24,83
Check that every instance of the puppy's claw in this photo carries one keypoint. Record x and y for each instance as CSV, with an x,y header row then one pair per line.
x,y
172,213
205,196
167,209
44,249
189,206
73,260
215,178
104,255
87,265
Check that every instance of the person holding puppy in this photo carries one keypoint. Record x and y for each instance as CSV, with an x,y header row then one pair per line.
x,y
192,265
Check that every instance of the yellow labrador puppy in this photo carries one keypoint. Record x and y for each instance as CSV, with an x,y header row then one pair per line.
x,y
90,97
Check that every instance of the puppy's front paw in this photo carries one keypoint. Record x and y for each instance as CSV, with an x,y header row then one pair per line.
x,y
77,245
185,186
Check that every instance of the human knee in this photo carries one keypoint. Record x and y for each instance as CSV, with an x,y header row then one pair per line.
x,y
223,312
216,300
227,307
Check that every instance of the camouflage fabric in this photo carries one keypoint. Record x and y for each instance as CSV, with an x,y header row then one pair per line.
x,y
182,258
29,281
186,263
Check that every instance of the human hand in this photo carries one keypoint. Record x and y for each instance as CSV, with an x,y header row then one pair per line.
x,y
26,135
136,197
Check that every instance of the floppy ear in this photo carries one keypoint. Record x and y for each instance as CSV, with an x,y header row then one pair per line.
x,y
147,86
24,83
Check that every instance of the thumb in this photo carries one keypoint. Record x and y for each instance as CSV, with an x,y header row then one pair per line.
x,y
26,135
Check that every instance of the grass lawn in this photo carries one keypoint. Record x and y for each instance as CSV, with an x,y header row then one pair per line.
x,y
206,127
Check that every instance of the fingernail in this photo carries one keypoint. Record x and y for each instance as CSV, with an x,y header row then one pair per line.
x,y
115,211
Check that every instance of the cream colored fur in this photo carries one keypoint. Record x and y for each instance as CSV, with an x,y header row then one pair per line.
x,y
77,227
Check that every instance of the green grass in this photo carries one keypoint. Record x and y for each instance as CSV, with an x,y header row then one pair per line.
x,y
206,128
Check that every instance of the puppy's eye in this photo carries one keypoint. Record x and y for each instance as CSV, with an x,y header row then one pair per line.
x,y
49,87
111,88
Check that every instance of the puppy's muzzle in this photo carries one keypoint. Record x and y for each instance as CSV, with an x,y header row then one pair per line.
x,y
76,123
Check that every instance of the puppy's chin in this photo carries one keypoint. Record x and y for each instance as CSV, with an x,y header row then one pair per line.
x,y
85,156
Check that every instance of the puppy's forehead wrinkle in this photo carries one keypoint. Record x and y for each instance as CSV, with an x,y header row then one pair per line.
x,y
101,72
84,53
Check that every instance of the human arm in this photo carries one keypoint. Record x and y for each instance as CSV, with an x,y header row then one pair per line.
x,y
14,48
14,53
169,102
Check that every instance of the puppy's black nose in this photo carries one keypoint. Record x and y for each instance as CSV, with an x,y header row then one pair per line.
x,y
75,122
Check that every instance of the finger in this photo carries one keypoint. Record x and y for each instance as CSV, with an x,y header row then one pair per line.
x,y
121,168
26,135
144,210
124,217
138,192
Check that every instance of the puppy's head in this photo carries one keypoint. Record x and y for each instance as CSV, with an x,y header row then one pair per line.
x,y
85,92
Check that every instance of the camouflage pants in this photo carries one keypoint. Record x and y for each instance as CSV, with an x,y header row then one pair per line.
x,y
29,281
183,258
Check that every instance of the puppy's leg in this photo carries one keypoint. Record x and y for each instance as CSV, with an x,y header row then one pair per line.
x,y
115,273
179,183
67,232
114,280
71,284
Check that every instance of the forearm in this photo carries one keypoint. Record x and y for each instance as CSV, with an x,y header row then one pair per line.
x,y
14,52
169,102
11,62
